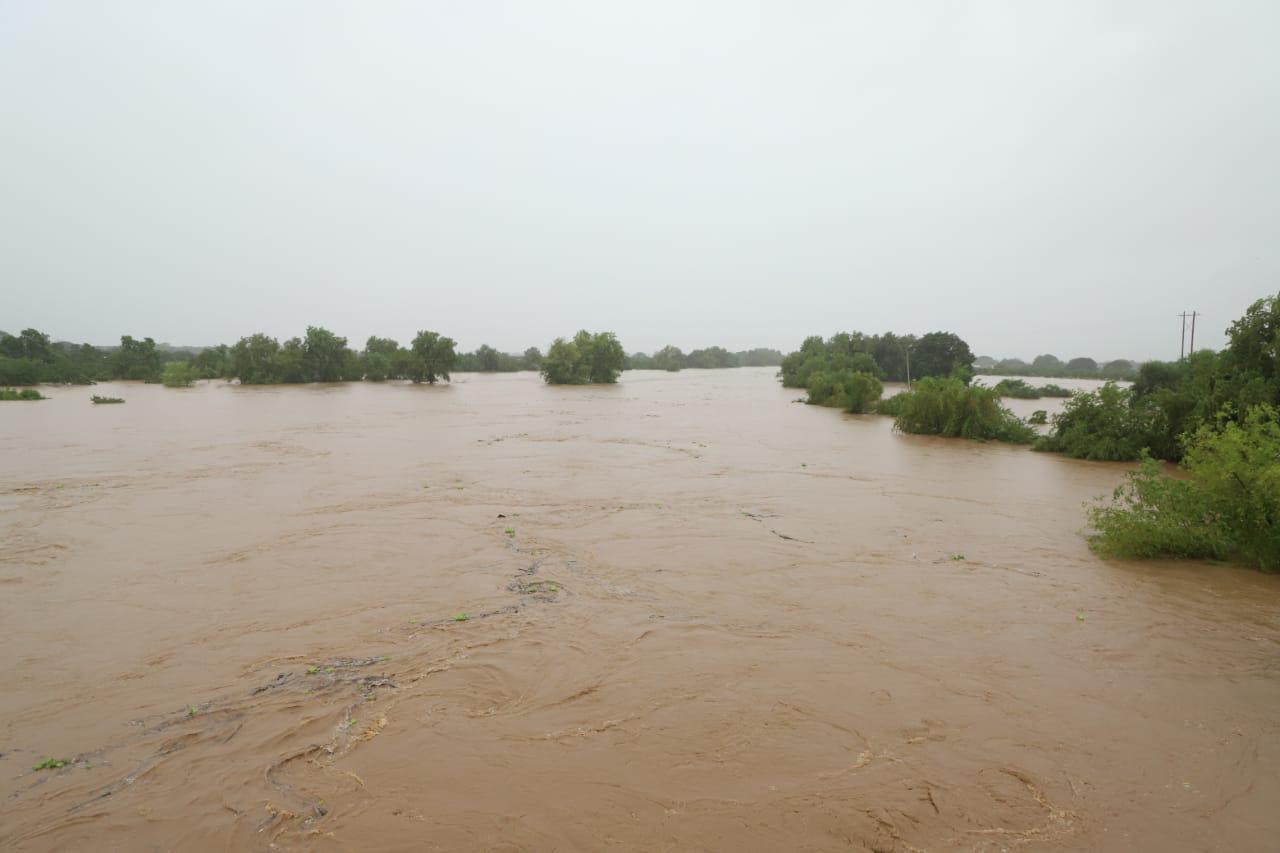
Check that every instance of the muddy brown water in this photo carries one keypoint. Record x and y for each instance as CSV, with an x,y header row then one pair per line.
x,y
682,613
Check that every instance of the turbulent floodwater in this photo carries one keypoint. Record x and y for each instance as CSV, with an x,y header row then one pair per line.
x,y
679,613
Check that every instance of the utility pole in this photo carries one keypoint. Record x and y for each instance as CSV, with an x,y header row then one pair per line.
x,y
1193,333
1182,348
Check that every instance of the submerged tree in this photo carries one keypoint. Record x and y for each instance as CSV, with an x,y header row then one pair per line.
x,y
324,355
588,358
433,357
253,360
668,358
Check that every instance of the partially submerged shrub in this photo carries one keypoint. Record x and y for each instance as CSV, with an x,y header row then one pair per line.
x,y
1052,390
1227,508
23,394
950,408
1039,416
1101,425
853,391
1018,389
103,400
890,406
179,374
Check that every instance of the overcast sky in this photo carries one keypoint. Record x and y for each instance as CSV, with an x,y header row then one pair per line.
x,y
1059,177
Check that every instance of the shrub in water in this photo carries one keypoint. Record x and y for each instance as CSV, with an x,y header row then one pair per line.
x,y
1039,416
1017,388
1101,425
24,394
178,374
101,400
853,391
949,407
1227,508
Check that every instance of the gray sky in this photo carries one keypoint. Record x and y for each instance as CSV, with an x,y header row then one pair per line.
x,y
1036,176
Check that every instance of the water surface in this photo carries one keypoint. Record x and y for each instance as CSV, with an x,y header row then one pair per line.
x,y
678,613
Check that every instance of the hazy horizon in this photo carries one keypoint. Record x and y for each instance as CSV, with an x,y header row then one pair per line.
x,y
1055,179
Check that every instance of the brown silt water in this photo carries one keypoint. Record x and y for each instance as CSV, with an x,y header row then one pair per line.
x,y
681,613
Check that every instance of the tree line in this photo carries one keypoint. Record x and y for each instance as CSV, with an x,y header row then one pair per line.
x,y
320,355
1050,366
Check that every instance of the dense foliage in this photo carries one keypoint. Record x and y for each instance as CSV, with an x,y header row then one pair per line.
x,y
179,374
950,408
886,356
30,357
1170,401
587,359
851,390
1227,507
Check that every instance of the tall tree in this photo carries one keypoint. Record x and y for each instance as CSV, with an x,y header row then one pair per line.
x,y
940,354
324,355
433,357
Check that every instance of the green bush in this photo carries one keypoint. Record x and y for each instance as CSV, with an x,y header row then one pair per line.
x,y
1101,425
853,391
1052,390
1018,389
179,374
891,406
24,394
1226,508
1039,416
949,407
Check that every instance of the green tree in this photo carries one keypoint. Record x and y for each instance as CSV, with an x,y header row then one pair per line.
x,y
562,363
324,355
1082,367
487,359
940,354
253,360
532,359
291,365
1048,365
383,346
179,374
433,357
606,356
668,358
136,359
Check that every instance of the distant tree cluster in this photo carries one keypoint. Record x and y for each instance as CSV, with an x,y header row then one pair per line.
x,y
845,371
586,359
672,358
30,357
322,356
486,359
1051,366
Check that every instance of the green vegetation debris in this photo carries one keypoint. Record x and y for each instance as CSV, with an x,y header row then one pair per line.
x,y
51,764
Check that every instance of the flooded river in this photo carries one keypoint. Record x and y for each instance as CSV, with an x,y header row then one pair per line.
x,y
681,613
